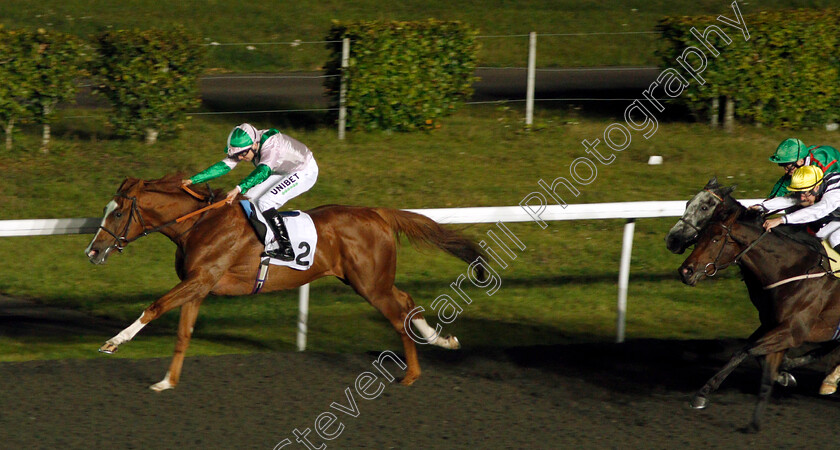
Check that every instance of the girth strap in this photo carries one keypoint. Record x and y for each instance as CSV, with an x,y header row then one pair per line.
x,y
262,275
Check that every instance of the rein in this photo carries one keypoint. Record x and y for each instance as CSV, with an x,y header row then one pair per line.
x,y
121,241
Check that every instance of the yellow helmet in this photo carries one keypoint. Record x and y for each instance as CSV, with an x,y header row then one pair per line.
x,y
805,178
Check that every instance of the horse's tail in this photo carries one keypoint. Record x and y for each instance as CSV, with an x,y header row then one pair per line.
x,y
421,229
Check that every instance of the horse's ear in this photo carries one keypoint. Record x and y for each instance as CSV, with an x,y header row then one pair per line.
x,y
127,184
729,190
712,183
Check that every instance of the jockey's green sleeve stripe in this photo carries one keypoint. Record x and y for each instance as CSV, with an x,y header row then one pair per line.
x,y
257,176
214,171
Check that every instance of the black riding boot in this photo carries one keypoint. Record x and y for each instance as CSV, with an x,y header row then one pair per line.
x,y
284,252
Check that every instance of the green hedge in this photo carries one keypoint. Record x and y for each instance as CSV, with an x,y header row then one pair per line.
x,y
402,76
786,75
38,70
150,78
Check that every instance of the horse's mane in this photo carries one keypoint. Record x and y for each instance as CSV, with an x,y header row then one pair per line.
x,y
797,233
170,183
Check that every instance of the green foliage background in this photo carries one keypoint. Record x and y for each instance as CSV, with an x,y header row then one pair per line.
x,y
38,70
402,76
786,75
149,76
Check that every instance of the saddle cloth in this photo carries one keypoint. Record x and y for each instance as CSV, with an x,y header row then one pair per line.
x,y
834,258
302,235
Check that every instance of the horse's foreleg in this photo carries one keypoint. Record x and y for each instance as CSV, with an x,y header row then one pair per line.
x,y
111,345
770,367
700,400
196,287
189,314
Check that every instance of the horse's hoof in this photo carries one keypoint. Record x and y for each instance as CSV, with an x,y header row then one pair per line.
x,y
828,389
786,379
161,386
454,343
108,348
752,428
408,380
699,403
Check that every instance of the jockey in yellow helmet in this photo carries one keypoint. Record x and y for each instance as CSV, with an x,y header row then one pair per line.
x,y
814,200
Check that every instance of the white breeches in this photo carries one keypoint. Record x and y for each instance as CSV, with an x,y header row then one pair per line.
x,y
275,191
831,233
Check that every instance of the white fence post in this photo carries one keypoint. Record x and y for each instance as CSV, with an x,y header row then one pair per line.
x,y
342,96
303,316
532,67
624,278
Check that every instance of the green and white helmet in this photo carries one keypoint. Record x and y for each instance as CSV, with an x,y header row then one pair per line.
x,y
241,138
790,150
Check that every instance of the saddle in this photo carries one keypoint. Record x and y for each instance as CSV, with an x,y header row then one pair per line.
x,y
833,259
302,235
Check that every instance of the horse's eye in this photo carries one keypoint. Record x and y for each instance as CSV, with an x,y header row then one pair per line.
x,y
117,214
715,241
705,208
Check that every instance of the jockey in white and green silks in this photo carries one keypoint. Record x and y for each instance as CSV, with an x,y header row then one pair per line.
x,y
285,168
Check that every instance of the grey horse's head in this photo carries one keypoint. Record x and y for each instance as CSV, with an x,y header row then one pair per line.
x,y
698,212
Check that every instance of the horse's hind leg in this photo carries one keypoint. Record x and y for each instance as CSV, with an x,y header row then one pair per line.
x,y
189,314
395,305
786,379
428,334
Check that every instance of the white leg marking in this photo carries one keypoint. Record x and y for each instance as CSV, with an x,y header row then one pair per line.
x,y
433,336
162,385
424,329
129,333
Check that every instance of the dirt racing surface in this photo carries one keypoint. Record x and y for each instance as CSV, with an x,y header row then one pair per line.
x,y
631,395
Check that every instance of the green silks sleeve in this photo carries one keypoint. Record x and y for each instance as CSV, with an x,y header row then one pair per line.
x,y
214,171
780,188
257,176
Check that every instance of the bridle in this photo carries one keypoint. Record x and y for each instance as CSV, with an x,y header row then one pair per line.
x,y
737,259
121,240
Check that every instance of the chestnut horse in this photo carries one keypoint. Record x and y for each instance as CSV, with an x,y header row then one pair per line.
x,y
802,301
219,253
